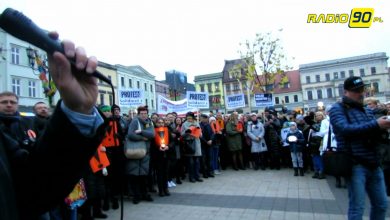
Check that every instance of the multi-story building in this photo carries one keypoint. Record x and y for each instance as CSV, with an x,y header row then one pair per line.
x,y
105,92
239,85
162,89
211,83
322,82
138,78
19,73
178,84
287,92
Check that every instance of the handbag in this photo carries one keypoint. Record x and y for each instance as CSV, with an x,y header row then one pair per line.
x,y
135,149
189,144
336,163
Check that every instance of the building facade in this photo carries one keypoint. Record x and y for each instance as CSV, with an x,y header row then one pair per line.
x,y
322,82
178,84
212,84
105,96
287,92
137,77
162,89
19,74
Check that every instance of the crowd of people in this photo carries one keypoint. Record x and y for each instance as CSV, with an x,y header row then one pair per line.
x,y
258,141
43,158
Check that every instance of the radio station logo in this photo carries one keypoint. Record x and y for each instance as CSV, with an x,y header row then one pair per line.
x,y
359,18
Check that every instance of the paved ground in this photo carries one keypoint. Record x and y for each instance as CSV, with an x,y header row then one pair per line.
x,y
246,195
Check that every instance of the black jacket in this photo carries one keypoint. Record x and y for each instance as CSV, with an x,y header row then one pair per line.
x,y
49,173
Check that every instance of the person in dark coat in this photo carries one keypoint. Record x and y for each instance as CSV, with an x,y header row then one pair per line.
x,y
206,141
36,179
141,129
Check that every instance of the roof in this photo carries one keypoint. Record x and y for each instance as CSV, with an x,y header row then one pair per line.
x,y
209,76
230,64
293,78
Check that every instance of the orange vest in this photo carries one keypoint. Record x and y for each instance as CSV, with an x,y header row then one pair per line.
x,y
221,123
99,160
215,126
111,138
161,136
195,131
239,127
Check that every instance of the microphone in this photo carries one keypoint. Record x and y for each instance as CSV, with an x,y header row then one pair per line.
x,y
20,26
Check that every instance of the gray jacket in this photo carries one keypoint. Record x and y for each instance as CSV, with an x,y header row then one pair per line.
x,y
255,131
186,125
140,167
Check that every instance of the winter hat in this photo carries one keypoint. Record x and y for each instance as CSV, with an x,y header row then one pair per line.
x,y
212,118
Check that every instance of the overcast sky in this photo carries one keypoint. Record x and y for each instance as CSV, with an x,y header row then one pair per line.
x,y
196,36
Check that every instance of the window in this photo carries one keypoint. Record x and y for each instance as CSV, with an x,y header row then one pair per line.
x,y
286,85
152,103
165,90
277,100
342,74
350,72
327,77
101,99
122,81
375,85
307,79
287,99
296,98
361,71
335,75
236,87
329,93
216,85
32,89
146,101
110,99
138,85
227,87
202,87
373,70
15,55
319,94
309,95
318,79
109,77
209,87
151,88
341,89
146,86
130,83
16,86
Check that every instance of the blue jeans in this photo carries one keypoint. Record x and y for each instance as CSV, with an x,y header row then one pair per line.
x,y
214,158
365,180
318,164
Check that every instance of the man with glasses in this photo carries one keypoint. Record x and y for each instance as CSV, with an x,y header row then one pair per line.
x,y
356,130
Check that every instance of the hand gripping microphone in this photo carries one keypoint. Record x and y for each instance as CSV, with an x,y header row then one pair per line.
x,y
20,26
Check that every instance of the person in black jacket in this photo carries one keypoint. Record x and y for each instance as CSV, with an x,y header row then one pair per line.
x,y
37,174
206,143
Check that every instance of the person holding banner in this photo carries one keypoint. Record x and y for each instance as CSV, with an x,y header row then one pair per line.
x,y
192,127
234,130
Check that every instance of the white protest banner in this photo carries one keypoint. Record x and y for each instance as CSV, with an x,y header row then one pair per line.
x,y
131,97
197,99
165,106
263,100
235,101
